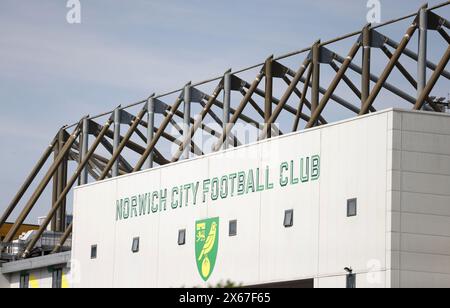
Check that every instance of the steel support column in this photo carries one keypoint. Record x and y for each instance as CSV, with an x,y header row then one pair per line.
x,y
150,128
365,82
226,106
59,181
84,150
116,140
422,53
269,93
315,76
187,119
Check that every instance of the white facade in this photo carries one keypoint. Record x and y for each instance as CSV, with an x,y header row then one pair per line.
x,y
395,163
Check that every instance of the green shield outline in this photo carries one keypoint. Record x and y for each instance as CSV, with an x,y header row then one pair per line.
x,y
206,246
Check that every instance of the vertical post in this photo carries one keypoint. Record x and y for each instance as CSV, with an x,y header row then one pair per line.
x,y
187,118
84,150
226,105
268,98
61,181
315,77
55,186
61,214
116,141
366,41
422,60
150,128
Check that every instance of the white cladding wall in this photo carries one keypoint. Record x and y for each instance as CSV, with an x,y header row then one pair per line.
x,y
359,159
421,200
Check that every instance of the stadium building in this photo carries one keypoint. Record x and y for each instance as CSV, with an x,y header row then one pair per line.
x,y
379,206
356,199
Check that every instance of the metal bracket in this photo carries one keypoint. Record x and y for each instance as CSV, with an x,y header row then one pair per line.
x,y
197,96
377,40
94,128
326,55
435,22
237,84
159,108
126,117
278,69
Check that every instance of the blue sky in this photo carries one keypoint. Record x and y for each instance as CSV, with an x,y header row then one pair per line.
x,y
52,73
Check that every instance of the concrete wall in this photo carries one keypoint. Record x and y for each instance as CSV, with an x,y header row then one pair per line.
x,y
421,200
355,163
4,282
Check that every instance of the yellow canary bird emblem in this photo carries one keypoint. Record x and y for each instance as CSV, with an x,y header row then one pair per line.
x,y
206,246
209,244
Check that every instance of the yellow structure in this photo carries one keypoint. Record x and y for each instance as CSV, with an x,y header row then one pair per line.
x,y
24,228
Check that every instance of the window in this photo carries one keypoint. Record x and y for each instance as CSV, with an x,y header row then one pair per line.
x,y
57,278
181,237
135,245
288,218
94,252
352,207
351,281
232,228
24,281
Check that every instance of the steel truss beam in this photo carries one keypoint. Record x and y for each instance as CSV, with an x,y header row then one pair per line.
x,y
311,95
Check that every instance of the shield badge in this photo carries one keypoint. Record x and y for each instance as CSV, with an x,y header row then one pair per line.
x,y
206,246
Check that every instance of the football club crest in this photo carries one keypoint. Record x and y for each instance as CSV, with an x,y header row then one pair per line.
x,y
206,246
